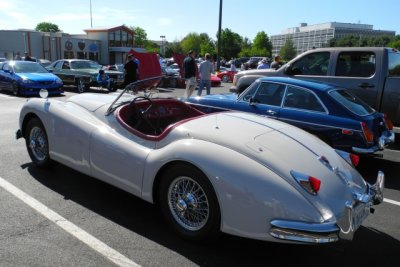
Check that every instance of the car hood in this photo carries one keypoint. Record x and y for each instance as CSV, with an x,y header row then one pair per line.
x,y
38,76
281,148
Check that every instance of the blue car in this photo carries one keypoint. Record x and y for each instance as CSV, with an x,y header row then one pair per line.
x,y
27,78
330,112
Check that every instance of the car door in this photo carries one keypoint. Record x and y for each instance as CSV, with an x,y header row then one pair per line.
x,y
63,70
264,98
6,77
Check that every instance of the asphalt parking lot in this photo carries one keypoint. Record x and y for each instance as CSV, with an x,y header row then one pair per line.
x,y
40,209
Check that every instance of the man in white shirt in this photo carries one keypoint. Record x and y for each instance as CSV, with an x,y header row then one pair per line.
x,y
205,69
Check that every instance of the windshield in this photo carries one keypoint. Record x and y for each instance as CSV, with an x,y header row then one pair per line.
x,y
351,102
28,67
85,65
131,89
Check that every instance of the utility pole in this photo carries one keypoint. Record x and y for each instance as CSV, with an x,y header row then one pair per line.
x,y
219,36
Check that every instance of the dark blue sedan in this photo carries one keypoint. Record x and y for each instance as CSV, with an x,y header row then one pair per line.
x,y
27,78
332,113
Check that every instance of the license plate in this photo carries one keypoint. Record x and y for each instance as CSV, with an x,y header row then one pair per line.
x,y
359,214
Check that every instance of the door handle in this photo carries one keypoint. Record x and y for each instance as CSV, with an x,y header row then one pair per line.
x,y
271,112
366,85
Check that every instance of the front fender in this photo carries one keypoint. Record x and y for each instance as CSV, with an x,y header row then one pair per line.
x,y
249,194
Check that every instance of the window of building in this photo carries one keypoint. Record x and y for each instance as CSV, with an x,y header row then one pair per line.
x,y
118,38
69,54
111,39
124,38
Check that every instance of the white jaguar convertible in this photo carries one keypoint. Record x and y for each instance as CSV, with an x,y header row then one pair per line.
x,y
268,181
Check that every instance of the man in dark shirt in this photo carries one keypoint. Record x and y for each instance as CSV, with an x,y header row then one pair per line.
x,y
189,72
27,57
131,69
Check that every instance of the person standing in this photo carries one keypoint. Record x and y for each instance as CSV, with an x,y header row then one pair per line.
x,y
131,70
17,56
27,57
205,69
189,73
264,64
276,64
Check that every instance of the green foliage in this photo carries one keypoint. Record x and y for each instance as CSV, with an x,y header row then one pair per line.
x,y
140,37
288,51
47,27
230,44
262,46
356,41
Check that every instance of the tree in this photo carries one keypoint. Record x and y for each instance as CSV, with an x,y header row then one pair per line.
x,y
47,27
288,51
192,41
395,43
230,44
262,46
140,36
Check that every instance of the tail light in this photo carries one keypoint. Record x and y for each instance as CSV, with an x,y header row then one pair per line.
x,y
352,159
311,184
389,123
368,134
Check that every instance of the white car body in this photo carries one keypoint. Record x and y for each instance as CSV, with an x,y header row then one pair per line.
x,y
250,172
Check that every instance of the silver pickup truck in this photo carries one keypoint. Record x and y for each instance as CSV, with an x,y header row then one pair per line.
x,y
372,73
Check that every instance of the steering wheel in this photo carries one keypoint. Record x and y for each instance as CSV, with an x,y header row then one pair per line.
x,y
143,115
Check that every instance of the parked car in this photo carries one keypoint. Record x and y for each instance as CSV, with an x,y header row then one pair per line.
x,y
371,73
288,187
82,73
330,112
44,62
215,80
27,78
226,75
172,78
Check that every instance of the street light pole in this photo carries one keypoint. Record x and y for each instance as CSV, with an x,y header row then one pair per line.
x,y
91,25
219,35
162,52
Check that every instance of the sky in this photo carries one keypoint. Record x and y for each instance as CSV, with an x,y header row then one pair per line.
x,y
174,19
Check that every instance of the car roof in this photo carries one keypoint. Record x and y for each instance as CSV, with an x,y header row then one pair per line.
x,y
315,85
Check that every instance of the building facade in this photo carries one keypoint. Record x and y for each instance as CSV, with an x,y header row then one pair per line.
x,y
105,45
306,37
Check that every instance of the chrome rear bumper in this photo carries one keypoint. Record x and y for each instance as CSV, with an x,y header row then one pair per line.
x,y
384,141
355,212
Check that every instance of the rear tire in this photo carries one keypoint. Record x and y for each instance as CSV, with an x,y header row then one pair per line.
x,y
37,144
189,203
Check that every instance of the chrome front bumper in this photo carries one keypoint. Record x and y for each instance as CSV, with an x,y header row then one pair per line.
x,y
356,211
384,141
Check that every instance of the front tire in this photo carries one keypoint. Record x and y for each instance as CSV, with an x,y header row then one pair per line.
x,y
80,84
37,144
189,203
16,90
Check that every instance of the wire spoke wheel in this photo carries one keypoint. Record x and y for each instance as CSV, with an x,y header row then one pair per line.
x,y
188,203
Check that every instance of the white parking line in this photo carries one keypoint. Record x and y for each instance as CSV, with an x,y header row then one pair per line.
x,y
391,201
69,227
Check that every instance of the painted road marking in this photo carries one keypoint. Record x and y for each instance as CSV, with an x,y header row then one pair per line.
x,y
69,227
391,201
